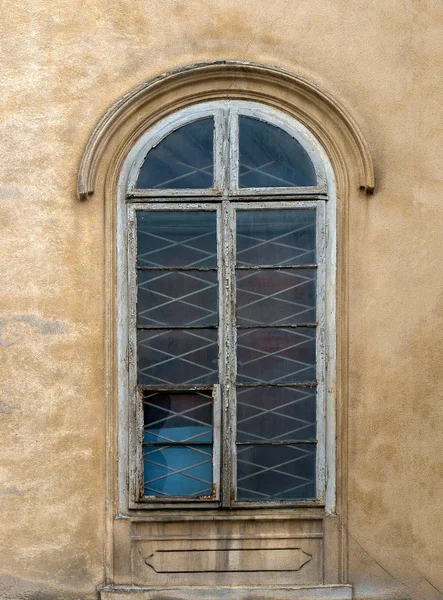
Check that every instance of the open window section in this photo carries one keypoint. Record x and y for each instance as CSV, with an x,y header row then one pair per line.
x,y
177,345
276,278
184,159
270,157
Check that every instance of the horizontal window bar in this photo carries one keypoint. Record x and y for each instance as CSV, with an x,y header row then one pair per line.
x,y
270,443
276,267
191,443
295,385
212,196
179,269
168,327
172,388
274,326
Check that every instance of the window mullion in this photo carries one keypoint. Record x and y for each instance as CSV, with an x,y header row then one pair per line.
x,y
227,354
233,151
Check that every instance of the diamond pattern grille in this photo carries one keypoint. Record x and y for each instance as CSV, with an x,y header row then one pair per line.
x,y
177,298
178,357
278,297
270,157
185,239
282,414
177,417
275,238
178,471
177,440
276,472
276,355
183,159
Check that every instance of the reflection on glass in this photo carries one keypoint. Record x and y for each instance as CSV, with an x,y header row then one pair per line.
x,y
177,357
177,470
275,237
276,297
177,440
176,239
270,157
285,472
183,159
177,298
279,414
276,355
172,416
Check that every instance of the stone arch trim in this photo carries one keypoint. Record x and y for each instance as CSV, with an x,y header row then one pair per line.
x,y
299,97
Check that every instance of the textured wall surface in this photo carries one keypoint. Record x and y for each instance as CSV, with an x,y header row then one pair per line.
x,y
64,62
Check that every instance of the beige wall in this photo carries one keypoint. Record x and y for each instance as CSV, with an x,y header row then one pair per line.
x,y
63,63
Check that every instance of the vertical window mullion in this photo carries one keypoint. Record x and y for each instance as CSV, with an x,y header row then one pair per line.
x,y
227,345
221,150
136,412
321,350
233,151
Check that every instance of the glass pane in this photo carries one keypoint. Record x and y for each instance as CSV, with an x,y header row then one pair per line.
x,y
177,416
276,355
280,297
270,157
177,357
275,237
177,298
276,472
277,414
176,239
178,470
183,159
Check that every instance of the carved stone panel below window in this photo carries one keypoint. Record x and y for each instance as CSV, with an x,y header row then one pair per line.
x,y
264,552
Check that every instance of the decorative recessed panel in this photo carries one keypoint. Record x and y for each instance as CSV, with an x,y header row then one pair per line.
x,y
209,560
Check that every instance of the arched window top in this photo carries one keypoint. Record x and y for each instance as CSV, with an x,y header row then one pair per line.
x,y
226,148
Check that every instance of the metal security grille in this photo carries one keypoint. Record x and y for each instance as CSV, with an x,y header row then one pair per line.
x,y
228,328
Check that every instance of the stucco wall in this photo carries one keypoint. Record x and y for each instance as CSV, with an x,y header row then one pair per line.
x,y
63,64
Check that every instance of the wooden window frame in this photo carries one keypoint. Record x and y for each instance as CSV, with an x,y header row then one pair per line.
x,y
225,198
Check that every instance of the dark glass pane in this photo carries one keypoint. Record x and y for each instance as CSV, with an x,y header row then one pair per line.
x,y
266,297
276,414
275,237
177,470
183,159
270,157
276,355
276,472
177,298
177,417
177,357
176,239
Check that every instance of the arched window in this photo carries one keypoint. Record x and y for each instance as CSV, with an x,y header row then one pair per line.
x,y
229,209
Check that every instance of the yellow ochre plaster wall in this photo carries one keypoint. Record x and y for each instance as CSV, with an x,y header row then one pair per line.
x,y
63,64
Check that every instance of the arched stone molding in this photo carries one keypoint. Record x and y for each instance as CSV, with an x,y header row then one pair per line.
x,y
141,108
100,174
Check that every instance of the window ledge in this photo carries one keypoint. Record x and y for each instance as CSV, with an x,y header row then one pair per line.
x,y
318,592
